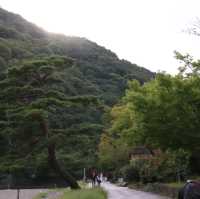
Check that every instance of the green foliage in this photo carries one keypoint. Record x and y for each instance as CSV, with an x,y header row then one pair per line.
x,y
162,113
8,33
130,173
189,67
179,162
3,66
5,51
20,53
164,167
33,100
113,154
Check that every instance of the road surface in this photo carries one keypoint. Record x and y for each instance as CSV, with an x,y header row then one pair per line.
x,y
115,192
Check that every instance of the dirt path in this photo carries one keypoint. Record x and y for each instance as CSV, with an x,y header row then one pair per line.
x,y
24,193
115,192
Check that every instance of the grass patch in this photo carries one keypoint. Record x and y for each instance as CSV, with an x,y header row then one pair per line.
x,y
41,195
96,193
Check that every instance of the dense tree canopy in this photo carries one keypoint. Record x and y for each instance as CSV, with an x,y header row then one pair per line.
x,y
162,113
168,110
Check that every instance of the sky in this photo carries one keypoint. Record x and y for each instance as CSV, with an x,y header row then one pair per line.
x,y
145,32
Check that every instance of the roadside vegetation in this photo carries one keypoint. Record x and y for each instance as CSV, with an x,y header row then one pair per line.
x,y
96,193
161,115
84,193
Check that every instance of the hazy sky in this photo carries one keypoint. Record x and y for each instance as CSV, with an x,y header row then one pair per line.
x,y
145,32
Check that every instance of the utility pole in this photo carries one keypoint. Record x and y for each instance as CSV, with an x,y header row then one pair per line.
x,y
84,176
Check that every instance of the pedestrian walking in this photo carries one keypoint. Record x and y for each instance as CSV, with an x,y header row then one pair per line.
x,y
98,180
94,176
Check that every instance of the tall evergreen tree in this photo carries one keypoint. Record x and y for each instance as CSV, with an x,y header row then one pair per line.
x,y
31,97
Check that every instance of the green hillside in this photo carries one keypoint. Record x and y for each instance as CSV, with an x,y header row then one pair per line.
x,y
97,70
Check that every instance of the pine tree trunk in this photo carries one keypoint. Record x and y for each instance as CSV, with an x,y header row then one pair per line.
x,y
53,161
54,164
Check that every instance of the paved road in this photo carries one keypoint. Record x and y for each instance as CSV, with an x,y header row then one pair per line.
x,y
115,192
24,194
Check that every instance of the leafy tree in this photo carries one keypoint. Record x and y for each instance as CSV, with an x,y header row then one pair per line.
x,y
167,108
162,113
164,166
113,153
189,67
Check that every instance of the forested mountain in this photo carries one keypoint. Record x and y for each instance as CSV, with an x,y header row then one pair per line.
x,y
97,70
89,70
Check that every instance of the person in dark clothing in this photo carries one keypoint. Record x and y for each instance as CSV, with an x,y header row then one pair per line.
x,y
98,180
94,176
191,190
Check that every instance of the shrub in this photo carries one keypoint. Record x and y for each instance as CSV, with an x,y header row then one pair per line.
x,y
164,167
178,163
129,173
147,169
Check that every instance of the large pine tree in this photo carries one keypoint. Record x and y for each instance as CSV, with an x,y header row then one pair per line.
x,y
32,96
